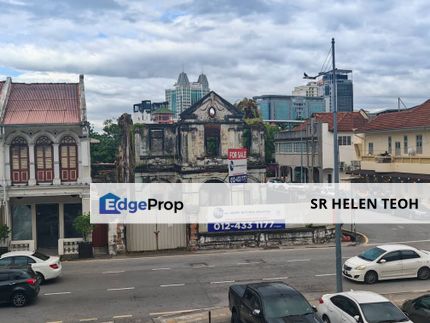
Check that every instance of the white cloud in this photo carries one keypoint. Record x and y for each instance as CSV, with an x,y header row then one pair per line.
x,y
133,50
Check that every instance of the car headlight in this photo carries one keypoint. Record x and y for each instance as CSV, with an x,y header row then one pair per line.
x,y
361,267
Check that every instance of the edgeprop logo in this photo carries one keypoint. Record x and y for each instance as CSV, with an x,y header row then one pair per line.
x,y
113,204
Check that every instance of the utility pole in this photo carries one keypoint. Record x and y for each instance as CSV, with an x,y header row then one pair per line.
x,y
338,233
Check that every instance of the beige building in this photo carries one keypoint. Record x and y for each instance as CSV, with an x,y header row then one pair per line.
x,y
395,146
45,170
305,154
310,89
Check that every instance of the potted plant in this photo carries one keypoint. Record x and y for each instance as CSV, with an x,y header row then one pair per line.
x,y
4,234
83,225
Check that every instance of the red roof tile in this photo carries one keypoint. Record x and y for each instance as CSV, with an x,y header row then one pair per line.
x,y
415,117
346,121
43,103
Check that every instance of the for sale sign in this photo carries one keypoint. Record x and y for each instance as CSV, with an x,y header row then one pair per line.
x,y
237,164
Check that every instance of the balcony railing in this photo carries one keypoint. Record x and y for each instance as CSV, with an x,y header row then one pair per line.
x,y
397,159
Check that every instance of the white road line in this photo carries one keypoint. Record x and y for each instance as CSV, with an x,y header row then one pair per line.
x,y
298,260
223,282
324,275
58,293
172,285
275,278
122,316
248,263
118,289
90,319
162,268
113,272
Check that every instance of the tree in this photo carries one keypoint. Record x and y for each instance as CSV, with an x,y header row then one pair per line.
x,y
83,225
249,108
4,232
269,145
105,151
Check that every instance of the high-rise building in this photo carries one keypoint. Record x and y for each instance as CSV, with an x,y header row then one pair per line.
x,y
186,93
310,89
288,109
345,101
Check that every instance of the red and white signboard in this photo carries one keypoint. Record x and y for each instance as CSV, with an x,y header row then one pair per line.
x,y
237,164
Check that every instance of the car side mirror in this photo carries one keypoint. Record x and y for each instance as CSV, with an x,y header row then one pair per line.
x,y
382,261
357,318
314,308
256,312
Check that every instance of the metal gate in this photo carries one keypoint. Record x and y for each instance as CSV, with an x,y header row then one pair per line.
x,y
143,237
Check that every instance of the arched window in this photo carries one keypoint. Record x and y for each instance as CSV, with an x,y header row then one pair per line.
x,y
68,159
44,160
19,161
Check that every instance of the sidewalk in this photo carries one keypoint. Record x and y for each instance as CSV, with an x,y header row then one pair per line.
x,y
222,315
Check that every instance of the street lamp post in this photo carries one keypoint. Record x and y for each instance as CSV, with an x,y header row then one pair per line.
x,y
338,231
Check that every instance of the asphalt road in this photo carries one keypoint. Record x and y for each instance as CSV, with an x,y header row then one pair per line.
x,y
143,287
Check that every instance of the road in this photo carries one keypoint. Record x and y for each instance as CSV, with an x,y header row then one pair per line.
x,y
142,287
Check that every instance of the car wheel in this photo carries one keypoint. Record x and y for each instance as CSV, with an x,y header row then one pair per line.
x,y
423,273
371,277
19,299
325,319
40,278
235,317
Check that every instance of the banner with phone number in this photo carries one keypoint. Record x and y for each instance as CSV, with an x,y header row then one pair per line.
x,y
245,226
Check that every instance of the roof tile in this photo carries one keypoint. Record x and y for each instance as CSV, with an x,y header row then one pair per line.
x,y
43,103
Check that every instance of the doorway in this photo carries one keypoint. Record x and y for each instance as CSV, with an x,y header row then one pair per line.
x,y
47,223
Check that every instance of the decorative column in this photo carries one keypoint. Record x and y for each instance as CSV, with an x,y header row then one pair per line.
x,y
32,179
57,180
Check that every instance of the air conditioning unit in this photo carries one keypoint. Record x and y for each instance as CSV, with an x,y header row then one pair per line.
x,y
411,151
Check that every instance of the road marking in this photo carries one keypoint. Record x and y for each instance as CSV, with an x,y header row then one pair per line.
x,y
118,289
114,272
324,275
275,278
248,263
223,282
298,260
59,293
172,285
162,268
126,316
178,312
90,319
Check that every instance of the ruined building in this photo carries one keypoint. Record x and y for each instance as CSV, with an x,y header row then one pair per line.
x,y
194,149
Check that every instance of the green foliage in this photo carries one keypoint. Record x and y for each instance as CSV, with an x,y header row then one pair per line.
x,y
83,225
4,232
250,111
269,137
105,151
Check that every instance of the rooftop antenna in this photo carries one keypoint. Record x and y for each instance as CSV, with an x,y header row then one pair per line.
x,y
400,101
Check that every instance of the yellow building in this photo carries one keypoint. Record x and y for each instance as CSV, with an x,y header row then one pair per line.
x,y
395,146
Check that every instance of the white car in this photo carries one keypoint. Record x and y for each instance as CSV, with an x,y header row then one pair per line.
x,y
359,307
45,267
388,262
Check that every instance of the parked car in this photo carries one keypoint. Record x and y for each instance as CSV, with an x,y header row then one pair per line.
x,y
45,267
388,262
18,286
269,302
418,309
359,307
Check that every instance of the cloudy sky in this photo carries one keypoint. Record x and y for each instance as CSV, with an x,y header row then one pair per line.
x,y
133,50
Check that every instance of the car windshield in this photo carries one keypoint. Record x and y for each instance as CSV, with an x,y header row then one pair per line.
x,y
41,256
371,254
277,306
382,312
